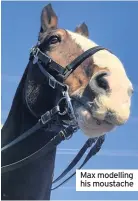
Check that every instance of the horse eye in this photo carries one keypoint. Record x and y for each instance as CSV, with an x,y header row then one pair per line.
x,y
54,39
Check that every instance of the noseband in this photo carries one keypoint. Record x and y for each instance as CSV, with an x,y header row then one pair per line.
x,y
56,75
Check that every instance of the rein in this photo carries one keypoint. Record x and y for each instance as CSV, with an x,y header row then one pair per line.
x,y
45,64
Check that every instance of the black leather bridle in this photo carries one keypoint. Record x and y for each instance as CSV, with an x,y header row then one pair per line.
x,y
56,80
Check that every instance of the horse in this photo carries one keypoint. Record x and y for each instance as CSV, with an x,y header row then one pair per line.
x,y
100,93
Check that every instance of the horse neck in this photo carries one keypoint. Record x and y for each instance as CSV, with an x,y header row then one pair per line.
x,y
19,120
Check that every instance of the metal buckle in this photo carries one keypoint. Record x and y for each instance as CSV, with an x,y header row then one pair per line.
x,y
45,117
67,73
65,110
49,114
52,82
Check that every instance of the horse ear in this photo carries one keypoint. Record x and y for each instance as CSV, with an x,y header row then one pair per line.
x,y
49,19
82,29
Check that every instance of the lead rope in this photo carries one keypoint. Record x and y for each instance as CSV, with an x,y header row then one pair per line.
x,y
93,151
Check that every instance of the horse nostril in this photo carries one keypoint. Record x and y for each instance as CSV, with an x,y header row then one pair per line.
x,y
102,82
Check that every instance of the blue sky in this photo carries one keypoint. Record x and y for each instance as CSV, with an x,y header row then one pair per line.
x,y
111,24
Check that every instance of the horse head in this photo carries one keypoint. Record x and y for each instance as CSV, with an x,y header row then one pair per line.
x,y
100,81
100,93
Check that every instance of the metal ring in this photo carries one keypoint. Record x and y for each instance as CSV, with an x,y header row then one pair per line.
x,y
66,109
